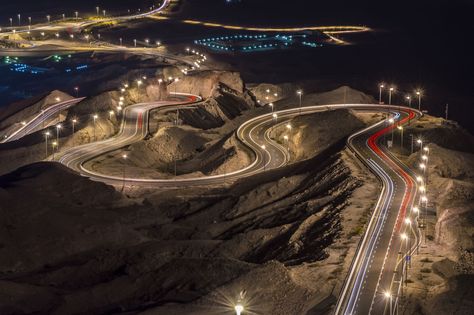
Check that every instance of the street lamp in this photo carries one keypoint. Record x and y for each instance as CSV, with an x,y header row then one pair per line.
x,y
95,116
389,296
271,105
46,136
121,41
19,19
124,158
103,12
401,136
54,145
391,121
76,14
300,95
97,10
58,127
264,157
408,97
135,43
139,82
275,117
287,143
381,86
418,93
74,121
48,17
239,308
111,113
390,91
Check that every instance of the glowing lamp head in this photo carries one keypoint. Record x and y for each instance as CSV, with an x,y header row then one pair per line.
x,y
95,116
404,236
387,294
416,209
407,221
239,308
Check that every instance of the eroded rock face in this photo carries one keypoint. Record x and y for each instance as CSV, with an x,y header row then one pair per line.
x,y
11,116
206,83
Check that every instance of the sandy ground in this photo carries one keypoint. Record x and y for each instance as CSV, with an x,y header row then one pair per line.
x,y
440,280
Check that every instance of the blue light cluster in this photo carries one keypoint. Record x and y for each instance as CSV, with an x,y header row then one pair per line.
x,y
250,43
311,44
23,68
78,68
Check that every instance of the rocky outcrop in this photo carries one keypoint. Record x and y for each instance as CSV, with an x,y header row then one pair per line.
x,y
11,116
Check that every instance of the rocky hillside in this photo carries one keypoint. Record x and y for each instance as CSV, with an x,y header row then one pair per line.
x,y
265,235
11,116
442,275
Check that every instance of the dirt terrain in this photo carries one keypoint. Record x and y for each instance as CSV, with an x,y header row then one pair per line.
x,y
281,241
76,246
440,280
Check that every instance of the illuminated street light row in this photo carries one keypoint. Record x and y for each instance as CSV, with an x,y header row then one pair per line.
x,y
392,90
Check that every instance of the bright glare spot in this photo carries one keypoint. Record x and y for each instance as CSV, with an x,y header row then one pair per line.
x,y
239,309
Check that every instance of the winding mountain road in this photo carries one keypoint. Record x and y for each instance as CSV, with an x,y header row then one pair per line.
x,y
378,265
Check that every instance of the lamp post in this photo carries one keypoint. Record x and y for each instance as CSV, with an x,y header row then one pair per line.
x,y
264,157
135,43
389,296
390,91
97,10
58,127
29,20
391,121
124,159
271,105
405,238
409,105
300,95
238,309
46,136
76,14
381,86
19,19
275,117
287,144
74,121
418,93
54,145
76,89
401,136
48,17
95,118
